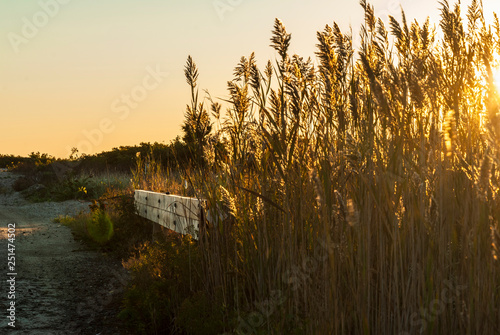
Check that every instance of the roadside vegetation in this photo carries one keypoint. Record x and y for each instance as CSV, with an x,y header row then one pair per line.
x,y
356,194
86,177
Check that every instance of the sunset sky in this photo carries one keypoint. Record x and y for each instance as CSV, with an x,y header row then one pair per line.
x,y
102,74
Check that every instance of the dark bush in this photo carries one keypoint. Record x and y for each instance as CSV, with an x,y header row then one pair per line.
x,y
23,183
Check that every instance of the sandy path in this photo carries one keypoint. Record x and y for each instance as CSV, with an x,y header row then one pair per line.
x,y
60,287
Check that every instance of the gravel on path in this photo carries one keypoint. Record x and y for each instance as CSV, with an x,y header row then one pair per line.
x,y
59,286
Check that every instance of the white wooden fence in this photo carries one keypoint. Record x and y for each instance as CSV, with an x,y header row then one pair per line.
x,y
180,214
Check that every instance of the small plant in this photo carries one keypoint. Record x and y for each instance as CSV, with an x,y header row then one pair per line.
x,y
65,220
78,224
100,227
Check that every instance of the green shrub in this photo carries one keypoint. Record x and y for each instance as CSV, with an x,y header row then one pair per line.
x,y
130,230
69,189
100,227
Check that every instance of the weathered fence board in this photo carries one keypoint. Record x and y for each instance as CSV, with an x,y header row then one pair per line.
x,y
180,214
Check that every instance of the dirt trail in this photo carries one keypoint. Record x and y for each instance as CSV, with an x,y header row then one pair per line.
x,y
60,286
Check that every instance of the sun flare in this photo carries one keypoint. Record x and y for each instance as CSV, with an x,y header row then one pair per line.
x,y
496,78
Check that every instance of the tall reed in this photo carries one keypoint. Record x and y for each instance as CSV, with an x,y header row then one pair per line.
x,y
360,193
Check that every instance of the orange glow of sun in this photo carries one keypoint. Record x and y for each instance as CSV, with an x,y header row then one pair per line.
x,y
496,78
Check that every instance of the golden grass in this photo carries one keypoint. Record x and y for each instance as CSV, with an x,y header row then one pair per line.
x,y
361,194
